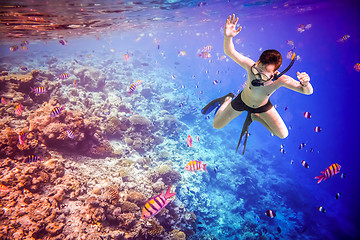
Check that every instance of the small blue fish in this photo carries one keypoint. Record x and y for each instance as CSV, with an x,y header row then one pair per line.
x,y
56,111
23,68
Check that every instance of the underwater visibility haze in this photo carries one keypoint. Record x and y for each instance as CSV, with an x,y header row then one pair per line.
x,y
102,134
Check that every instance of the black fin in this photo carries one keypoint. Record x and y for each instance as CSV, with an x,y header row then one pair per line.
x,y
244,132
215,104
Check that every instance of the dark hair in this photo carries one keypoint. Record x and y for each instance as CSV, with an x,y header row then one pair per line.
x,y
271,56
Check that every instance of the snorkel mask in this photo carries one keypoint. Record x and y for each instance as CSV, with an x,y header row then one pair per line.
x,y
262,78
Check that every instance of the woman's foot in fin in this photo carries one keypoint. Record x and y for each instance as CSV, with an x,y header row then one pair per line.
x,y
216,103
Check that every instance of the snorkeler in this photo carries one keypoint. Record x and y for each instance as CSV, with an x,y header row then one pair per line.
x,y
262,81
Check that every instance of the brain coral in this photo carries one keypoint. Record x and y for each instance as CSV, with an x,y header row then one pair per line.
x,y
169,175
140,121
177,235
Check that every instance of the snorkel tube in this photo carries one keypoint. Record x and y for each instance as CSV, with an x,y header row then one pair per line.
x,y
257,82
286,69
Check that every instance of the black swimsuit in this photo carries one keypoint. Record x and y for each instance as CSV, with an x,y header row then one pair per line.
x,y
239,105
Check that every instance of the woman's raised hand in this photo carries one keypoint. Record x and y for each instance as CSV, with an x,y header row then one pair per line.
x,y
230,26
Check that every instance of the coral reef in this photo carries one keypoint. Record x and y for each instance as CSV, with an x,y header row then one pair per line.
x,y
90,78
167,175
176,234
156,229
49,196
28,212
40,128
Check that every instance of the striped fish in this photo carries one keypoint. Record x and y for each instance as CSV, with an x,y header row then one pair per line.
x,y
31,158
14,48
155,204
64,76
22,137
194,165
329,172
63,42
38,90
270,213
19,109
132,88
24,43
56,111
70,134
207,48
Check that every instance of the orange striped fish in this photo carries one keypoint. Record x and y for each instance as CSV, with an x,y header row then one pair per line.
x,y
194,165
155,204
329,172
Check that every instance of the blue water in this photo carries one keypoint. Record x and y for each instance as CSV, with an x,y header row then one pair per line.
x,y
227,203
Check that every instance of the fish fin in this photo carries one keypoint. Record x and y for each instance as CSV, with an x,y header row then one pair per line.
x,y
168,194
204,167
244,133
320,177
166,203
216,103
